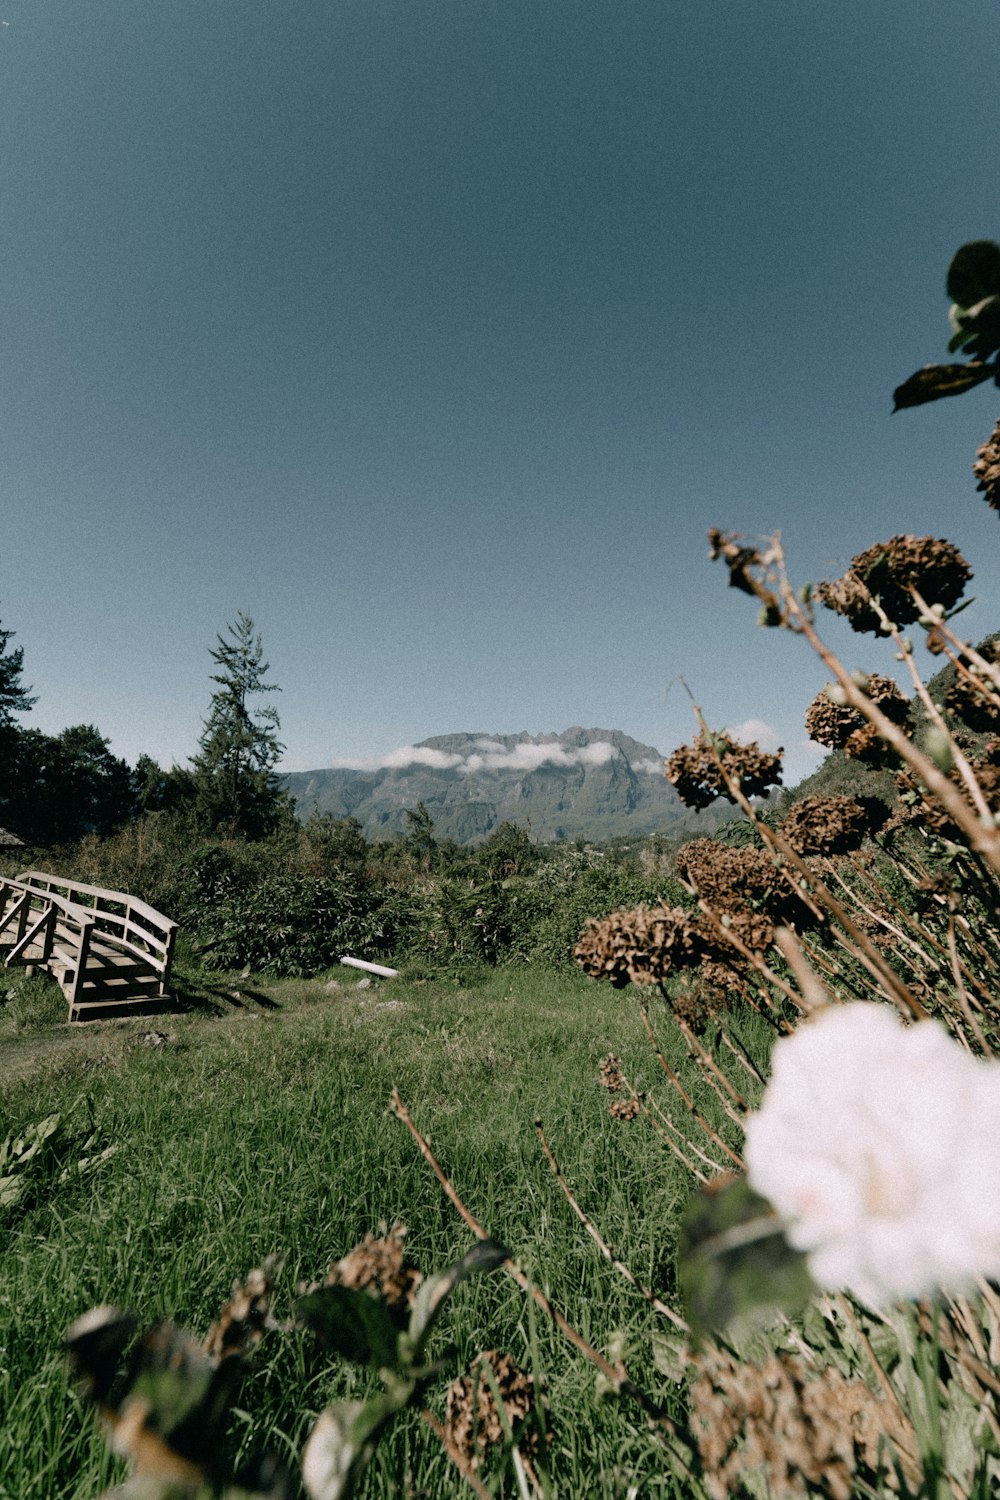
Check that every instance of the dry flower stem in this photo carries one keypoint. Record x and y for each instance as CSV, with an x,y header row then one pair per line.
x,y
666,1129
689,1103
457,1457
617,1380
708,1062
966,772
970,654
814,994
602,1244
962,992
740,1054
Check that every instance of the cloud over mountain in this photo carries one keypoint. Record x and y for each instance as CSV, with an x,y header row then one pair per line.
x,y
489,755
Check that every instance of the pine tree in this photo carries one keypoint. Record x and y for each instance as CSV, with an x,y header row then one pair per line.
x,y
14,699
236,790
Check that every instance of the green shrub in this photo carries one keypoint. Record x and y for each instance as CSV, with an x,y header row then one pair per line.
x,y
296,925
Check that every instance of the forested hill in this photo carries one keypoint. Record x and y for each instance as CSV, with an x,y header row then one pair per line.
x,y
584,783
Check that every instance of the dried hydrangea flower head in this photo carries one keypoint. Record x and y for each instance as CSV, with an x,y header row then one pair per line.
x,y
244,1319
806,1431
834,724
694,770
609,1074
977,703
828,825
379,1265
987,468
741,883
472,1418
926,812
623,1109
887,573
640,946
877,1145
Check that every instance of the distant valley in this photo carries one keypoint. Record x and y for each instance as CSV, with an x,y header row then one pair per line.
x,y
595,784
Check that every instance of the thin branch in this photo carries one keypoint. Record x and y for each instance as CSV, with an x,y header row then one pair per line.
x,y
601,1243
456,1455
616,1378
689,1103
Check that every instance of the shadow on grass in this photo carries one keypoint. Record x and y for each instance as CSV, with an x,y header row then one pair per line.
x,y
216,997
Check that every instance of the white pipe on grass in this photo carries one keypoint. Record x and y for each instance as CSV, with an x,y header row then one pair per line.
x,y
360,963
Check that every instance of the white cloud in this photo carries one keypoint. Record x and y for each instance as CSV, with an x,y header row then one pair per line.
x,y
487,755
648,767
758,731
406,755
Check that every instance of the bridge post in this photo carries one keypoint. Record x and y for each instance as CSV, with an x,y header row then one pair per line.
x,y
83,949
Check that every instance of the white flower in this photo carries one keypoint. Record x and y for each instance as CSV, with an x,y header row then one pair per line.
x,y
879,1145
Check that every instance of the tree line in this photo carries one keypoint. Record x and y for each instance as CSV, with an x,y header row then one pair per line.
x,y
55,789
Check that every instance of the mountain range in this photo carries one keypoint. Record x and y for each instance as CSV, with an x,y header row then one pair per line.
x,y
596,784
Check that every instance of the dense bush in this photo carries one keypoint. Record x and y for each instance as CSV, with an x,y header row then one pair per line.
x,y
298,925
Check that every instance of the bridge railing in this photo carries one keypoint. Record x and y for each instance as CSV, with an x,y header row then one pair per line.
x,y
132,924
60,929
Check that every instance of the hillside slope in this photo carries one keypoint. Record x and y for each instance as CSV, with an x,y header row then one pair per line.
x,y
583,783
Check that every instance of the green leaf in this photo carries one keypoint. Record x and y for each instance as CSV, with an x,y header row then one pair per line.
x,y
485,1255
341,1445
974,272
355,1324
737,1270
935,381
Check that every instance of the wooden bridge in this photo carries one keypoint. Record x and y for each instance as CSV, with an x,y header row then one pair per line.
x,y
109,953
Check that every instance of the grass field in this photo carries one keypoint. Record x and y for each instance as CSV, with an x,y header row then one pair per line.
x,y
264,1127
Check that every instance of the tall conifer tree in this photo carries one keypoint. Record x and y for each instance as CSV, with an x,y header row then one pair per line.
x,y
236,790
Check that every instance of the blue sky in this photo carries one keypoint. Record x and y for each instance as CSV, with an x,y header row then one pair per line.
x,y
436,334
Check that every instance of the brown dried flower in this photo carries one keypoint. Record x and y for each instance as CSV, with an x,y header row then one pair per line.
x,y
472,1418
379,1265
841,727
977,705
987,468
695,772
609,1074
887,572
728,879
807,1431
924,810
695,1007
642,945
244,1319
827,825
830,723
623,1109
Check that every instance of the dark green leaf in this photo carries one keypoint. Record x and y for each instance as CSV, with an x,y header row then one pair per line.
x,y
95,1344
355,1324
974,272
485,1255
981,325
935,381
737,1270
959,339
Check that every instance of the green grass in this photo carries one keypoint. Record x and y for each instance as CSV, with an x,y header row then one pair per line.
x,y
265,1128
